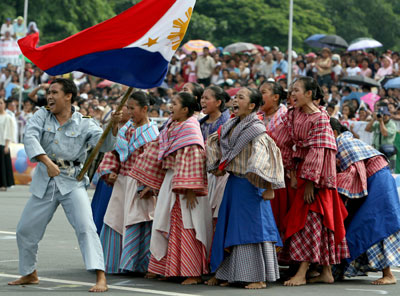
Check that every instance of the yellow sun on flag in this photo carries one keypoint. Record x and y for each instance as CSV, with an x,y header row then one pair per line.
x,y
177,37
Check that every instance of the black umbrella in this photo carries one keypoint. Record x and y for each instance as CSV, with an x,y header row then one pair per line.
x,y
334,40
361,80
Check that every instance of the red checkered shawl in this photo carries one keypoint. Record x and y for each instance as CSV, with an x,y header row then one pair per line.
x,y
109,164
177,135
319,136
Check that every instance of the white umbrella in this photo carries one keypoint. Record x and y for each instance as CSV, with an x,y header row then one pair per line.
x,y
363,43
240,46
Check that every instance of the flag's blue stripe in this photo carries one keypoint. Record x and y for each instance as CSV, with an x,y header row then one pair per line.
x,y
130,66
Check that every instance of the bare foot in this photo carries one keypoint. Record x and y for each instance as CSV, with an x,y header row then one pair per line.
x,y
212,281
150,275
258,285
192,281
322,278
30,279
386,280
101,283
295,281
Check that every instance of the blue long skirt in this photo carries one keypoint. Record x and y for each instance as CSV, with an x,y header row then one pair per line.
x,y
100,203
243,218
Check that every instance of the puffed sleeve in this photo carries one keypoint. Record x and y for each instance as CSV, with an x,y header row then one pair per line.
x,y
148,169
190,170
33,133
352,182
213,151
109,164
265,164
320,167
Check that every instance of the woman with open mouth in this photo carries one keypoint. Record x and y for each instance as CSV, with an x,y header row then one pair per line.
x,y
314,224
243,248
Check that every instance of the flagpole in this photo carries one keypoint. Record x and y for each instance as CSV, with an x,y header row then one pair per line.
x,y
96,149
289,80
21,75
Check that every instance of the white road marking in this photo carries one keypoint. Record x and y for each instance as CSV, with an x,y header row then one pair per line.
x,y
7,232
380,292
157,292
15,260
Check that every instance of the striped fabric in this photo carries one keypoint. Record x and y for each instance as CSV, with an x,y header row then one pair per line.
x,y
319,157
244,131
375,164
315,244
209,128
300,131
178,135
112,245
135,252
260,161
352,182
381,255
186,256
131,138
351,150
272,122
250,263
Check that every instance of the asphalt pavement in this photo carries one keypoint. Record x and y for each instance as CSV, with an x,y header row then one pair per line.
x,y
62,272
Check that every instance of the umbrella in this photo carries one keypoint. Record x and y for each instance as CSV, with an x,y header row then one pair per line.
x,y
240,46
197,46
334,40
361,80
370,99
259,48
314,41
362,43
393,83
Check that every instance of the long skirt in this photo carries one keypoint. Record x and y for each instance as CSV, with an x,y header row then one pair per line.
x,y
129,253
186,256
380,256
314,243
6,170
244,243
373,233
100,201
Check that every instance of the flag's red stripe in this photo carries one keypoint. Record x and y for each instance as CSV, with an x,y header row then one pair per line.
x,y
114,33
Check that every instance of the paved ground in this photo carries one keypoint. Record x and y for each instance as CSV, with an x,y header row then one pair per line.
x,y
62,271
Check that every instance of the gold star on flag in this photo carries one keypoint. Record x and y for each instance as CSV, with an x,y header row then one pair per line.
x,y
151,42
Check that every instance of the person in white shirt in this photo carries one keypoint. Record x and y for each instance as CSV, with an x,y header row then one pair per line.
x,y
353,70
6,27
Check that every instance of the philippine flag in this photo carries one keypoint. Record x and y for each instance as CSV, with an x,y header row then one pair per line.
x,y
133,48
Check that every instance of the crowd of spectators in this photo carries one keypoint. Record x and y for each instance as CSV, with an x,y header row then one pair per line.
x,y
98,97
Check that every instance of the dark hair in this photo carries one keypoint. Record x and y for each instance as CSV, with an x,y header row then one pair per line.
x,y
310,83
330,105
337,126
197,91
189,101
142,99
276,89
351,110
255,97
68,87
220,95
